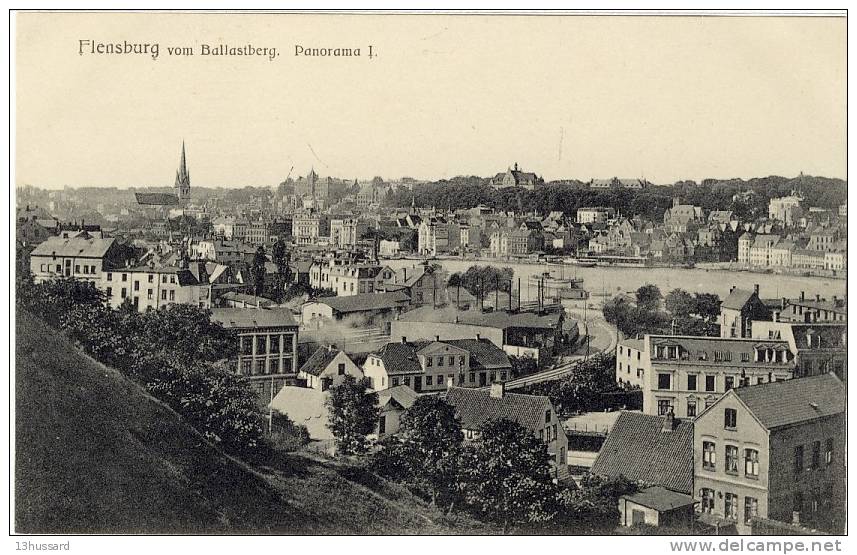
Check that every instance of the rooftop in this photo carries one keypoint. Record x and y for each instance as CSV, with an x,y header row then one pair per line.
x,y
80,246
365,301
638,448
248,318
496,319
660,499
476,407
788,402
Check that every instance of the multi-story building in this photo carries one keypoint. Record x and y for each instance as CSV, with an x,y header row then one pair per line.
x,y
536,413
818,348
345,279
428,366
785,209
685,374
681,218
433,236
344,232
524,241
257,232
267,346
149,287
761,251
745,243
513,177
836,260
81,257
739,310
812,309
220,251
774,451
595,214
309,226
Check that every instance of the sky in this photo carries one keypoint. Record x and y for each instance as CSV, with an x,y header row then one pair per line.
x,y
579,97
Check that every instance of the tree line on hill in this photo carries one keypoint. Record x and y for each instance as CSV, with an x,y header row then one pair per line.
x,y
465,192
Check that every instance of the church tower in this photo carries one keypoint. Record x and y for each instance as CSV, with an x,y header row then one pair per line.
x,y
182,185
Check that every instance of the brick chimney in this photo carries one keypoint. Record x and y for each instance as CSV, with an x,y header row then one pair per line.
x,y
498,389
802,295
670,422
756,289
404,339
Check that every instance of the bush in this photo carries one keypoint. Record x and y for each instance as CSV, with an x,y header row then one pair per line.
x,y
286,435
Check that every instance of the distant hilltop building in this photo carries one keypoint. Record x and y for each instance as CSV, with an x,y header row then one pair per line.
x,y
618,183
182,189
786,209
513,177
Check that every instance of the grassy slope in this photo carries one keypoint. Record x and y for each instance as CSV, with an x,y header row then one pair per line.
x,y
96,454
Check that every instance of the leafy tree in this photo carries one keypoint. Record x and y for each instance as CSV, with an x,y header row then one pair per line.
x,y
680,303
593,507
648,297
707,306
479,280
258,271
523,366
431,439
507,477
581,389
354,412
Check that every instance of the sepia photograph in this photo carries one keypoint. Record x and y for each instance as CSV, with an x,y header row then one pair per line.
x,y
483,273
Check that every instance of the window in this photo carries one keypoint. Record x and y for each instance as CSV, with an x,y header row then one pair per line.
x,y
816,454
709,455
731,459
172,295
164,295
799,458
136,285
472,377
461,360
109,276
452,360
547,416
664,381
151,278
709,383
440,361
429,362
730,419
503,376
707,496
124,277
664,407
828,451
429,380
340,369
745,357
76,269
172,279
124,292
691,382
406,380
730,508
109,291
246,367
149,294
702,355
164,278
751,463
275,365
382,424
730,383
691,408
751,509
260,366
395,382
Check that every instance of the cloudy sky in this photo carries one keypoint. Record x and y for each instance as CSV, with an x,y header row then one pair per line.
x,y
576,97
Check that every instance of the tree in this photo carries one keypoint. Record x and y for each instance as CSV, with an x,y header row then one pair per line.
x,y
680,303
523,366
258,271
431,439
507,477
649,297
353,414
707,306
593,507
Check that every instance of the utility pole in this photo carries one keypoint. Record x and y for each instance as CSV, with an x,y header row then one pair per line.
x,y
271,409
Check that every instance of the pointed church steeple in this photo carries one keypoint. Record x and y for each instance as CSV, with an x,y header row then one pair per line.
x,y
182,185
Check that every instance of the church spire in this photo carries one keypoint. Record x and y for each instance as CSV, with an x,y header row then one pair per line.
x,y
182,185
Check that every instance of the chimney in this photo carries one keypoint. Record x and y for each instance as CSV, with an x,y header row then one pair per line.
x,y
732,289
669,422
756,289
478,336
802,295
675,202
437,338
449,383
818,297
404,339
498,389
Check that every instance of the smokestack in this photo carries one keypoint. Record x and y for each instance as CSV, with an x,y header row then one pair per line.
x,y
478,337
802,295
404,339
498,389
437,338
817,297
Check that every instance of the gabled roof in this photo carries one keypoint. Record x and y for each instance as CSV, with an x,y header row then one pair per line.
x,y
365,301
737,299
401,395
248,318
319,361
157,199
401,357
660,499
638,448
83,246
788,402
475,407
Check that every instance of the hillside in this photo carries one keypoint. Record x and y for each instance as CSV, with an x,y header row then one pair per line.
x,y
95,454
